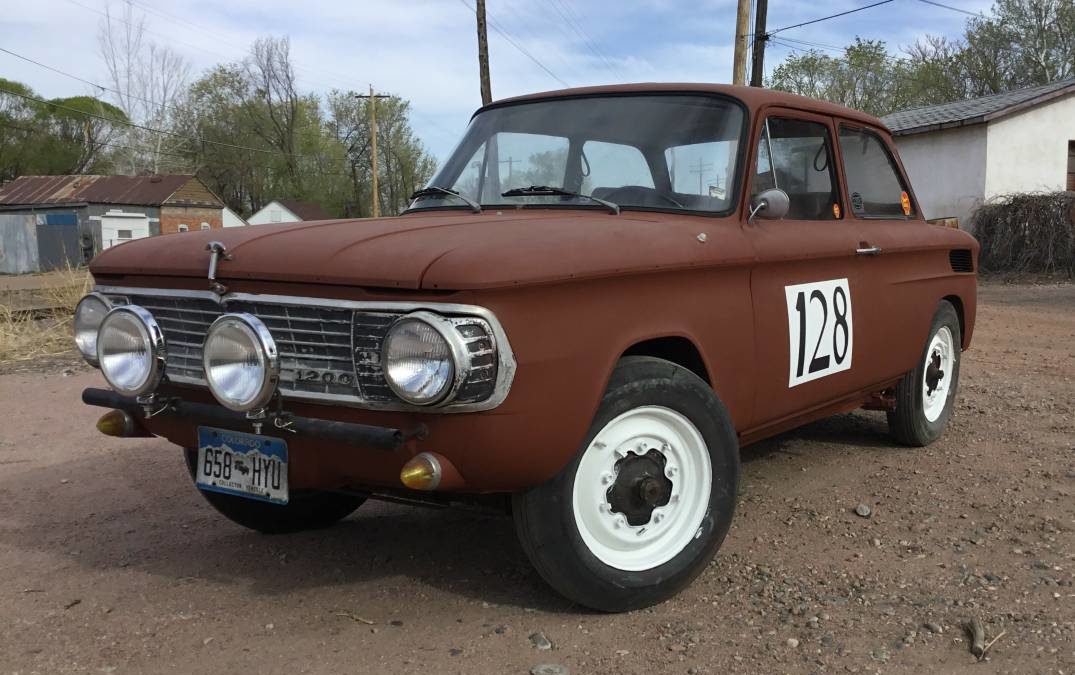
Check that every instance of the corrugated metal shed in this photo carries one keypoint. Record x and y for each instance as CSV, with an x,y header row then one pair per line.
x,y
138,190
975,110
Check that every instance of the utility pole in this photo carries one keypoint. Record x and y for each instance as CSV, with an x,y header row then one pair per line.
x,y
702,168
742,24
760,38
483,54
376,210
511,162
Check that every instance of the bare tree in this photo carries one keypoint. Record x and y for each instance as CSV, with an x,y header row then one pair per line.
x,y
148,80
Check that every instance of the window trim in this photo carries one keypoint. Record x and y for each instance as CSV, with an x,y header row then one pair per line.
x,y
893,162
836,172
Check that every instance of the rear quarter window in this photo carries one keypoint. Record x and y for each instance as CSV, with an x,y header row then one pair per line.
x,y
874,184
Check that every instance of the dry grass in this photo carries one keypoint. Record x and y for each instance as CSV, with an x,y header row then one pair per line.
x,y
26,335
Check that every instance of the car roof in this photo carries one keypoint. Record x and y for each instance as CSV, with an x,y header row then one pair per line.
x,y
752,97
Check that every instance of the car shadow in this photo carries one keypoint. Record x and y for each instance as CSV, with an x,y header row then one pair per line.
x,y
134,507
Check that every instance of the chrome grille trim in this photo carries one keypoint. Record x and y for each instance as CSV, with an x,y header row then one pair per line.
x,y
351,334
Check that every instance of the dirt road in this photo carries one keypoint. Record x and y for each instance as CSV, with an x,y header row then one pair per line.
x,y
111,562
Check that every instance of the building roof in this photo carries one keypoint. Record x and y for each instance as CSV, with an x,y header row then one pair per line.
x,y
305,210
975,110
138,190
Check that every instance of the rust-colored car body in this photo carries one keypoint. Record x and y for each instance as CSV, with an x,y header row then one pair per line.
x,y
577,289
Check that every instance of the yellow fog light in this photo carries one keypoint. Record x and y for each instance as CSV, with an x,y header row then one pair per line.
x,y
116,423
422,472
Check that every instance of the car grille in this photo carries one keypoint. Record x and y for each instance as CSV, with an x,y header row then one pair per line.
x,y
326,353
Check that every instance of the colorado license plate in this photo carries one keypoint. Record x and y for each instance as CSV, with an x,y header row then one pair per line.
x,y
245,465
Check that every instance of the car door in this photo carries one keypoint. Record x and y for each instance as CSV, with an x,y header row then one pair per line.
x,y
895,246
807,289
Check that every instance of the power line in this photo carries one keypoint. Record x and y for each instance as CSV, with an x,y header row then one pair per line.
x,y
85,81
504,34
826,18
151,129
948,6
568,15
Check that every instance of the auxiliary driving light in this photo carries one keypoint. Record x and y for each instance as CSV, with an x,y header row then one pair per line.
x,y
241,362
89,313
422,472
131,350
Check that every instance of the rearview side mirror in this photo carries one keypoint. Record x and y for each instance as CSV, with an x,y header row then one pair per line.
x,y
772,204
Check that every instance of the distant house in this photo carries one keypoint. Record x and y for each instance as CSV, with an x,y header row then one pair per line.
x,y
288,211
963,153
48,222
232,219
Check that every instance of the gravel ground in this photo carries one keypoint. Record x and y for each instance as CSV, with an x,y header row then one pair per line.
x,y
111,562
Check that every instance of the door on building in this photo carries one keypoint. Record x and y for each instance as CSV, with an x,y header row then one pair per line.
x,y
57,241
118,227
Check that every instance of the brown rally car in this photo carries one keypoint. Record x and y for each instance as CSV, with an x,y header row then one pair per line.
x,y
599,298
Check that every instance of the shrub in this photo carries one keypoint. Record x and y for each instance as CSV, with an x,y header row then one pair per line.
x,y
1027,234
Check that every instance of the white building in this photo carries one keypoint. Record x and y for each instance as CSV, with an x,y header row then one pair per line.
x,y
288,211
232,219
961,154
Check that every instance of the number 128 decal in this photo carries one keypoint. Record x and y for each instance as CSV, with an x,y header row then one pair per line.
x,y
820,329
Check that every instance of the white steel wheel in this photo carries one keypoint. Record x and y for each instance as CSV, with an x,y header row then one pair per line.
x,y
937,373
926,395
642,488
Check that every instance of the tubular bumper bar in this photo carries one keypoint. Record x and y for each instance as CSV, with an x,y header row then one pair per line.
x,y
359,435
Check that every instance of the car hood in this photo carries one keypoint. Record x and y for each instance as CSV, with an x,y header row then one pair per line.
x,y
436,250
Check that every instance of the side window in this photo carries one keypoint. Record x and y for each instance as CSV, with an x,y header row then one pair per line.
x,y
613,165
873,181
796,157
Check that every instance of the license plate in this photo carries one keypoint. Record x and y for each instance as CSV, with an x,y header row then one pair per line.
x,y
245,465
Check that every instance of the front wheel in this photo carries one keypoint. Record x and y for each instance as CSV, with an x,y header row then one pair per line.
x,y
926,395
648,499
308,510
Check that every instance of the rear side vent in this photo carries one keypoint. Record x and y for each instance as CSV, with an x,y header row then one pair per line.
x,y
961,260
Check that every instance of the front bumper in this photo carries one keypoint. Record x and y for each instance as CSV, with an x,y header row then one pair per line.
x,y
348,433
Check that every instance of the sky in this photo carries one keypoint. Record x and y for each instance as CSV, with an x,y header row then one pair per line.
x,y
426,50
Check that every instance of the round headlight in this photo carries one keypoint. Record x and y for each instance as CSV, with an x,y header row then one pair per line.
x,y
130,350
89,313
423,359
241,363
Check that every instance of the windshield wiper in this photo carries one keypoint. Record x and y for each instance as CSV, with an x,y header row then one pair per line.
x,y
434,190
546,191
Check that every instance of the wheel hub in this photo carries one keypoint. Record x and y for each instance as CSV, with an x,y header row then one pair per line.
x,y
640,487
934,374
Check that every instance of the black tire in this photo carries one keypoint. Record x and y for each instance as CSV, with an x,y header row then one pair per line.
x,y
909,423
307,510
544,515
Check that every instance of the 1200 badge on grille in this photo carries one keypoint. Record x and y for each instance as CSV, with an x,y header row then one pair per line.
x,y
325,377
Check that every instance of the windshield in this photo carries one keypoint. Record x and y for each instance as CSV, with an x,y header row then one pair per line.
x,y
668,152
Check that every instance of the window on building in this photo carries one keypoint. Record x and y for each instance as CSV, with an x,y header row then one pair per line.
x,y
205,226
183,227
1071,166
873,179
274,215
796,157
124,235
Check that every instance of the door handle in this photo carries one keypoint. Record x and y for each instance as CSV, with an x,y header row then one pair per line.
x,y
868,250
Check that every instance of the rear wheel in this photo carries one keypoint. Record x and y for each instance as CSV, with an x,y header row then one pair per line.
x,y
647,501
926,395
307,510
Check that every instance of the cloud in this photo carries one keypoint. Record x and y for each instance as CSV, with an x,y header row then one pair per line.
x,y
425,50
